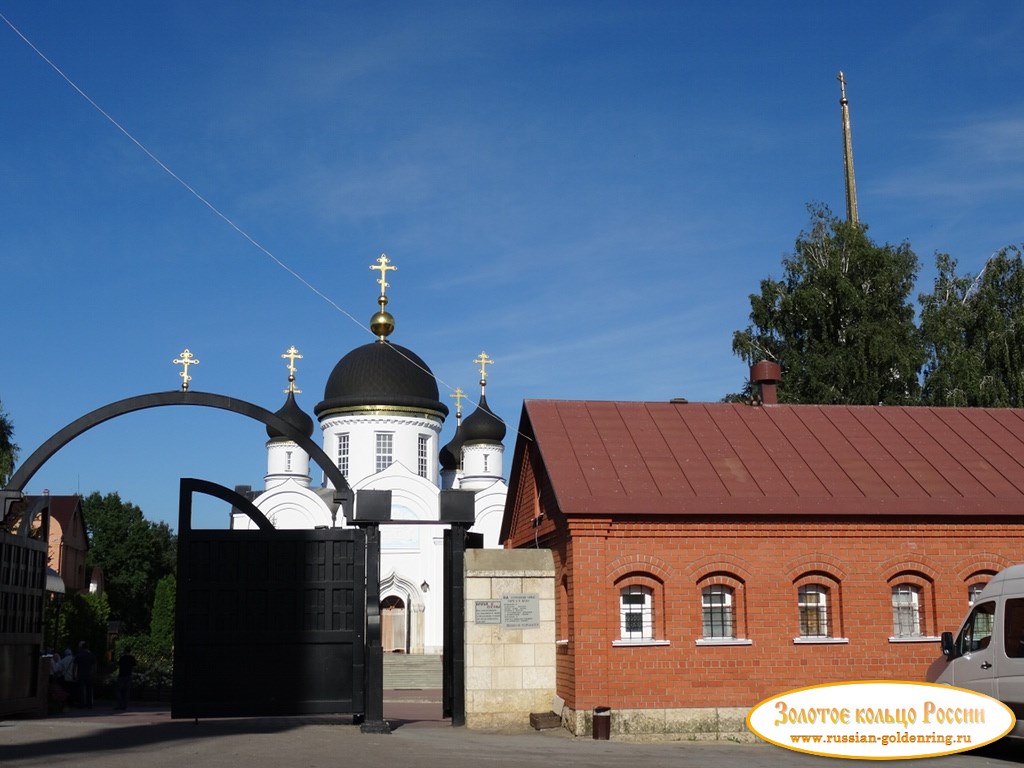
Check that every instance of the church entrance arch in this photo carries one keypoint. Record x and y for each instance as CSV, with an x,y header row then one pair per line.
x,y
394,626
402,615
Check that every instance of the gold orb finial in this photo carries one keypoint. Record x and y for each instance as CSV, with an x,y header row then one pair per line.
x,y
382,324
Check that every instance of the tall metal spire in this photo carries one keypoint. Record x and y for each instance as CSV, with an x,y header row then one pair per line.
x,y
851,184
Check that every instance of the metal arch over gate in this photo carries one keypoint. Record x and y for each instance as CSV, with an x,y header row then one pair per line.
x,y
321,565
18,481
268,622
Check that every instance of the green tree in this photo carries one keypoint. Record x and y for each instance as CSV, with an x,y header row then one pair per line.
x,y
161,628
973,328
8,450
84,617
840,322
133,552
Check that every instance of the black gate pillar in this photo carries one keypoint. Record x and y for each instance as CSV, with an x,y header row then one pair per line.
x,y
458,509
372,509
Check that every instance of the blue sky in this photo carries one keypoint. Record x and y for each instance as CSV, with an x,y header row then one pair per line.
x,y
589,191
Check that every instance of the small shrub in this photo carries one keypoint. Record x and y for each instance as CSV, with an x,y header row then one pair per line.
x,y
154,667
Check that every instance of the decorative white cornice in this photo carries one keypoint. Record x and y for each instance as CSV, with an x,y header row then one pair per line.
x,y
381,410
380,419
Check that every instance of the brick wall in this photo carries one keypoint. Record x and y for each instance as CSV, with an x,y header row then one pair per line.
x,y
764,561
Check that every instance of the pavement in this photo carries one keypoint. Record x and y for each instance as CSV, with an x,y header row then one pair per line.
x,y
147,736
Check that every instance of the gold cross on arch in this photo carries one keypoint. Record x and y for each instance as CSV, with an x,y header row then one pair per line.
x,y
185,360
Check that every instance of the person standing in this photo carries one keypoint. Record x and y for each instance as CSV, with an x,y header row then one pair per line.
x,y
85,673
67,673
125,667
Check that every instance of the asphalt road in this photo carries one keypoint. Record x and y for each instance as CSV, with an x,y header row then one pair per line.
x,y
421,739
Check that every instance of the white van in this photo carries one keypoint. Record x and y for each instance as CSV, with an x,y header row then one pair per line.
x,y
987,654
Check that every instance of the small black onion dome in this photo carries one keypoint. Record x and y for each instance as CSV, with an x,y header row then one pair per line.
x,y
381,373
482,426
295,416
450,454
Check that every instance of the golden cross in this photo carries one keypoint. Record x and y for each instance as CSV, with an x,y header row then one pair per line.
x,y
458,396
484,361
383,268
185,360
292,355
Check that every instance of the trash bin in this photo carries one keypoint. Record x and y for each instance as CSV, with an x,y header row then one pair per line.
x,y
602,723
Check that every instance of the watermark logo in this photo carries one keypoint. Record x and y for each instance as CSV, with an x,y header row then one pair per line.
x,y
881,720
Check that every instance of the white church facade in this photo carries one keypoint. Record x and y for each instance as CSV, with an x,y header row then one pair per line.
x,y
381,420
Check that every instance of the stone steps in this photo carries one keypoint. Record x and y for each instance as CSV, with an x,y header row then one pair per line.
x,y
404,671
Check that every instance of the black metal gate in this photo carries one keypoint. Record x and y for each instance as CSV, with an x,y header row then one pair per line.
x,y
22,594
268,622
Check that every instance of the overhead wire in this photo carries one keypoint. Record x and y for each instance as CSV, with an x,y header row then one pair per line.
x,y
213,208
163,166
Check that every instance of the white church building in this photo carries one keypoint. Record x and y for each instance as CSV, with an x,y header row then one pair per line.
x,y
381,419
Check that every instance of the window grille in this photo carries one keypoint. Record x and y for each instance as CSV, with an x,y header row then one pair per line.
x,y
637,619
812,601
385,450
716,602
343,454
906,611
422,455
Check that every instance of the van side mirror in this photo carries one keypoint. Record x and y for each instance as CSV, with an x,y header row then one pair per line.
x,y
948,649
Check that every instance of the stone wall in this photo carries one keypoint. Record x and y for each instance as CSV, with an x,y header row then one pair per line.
x,y
687,724
510,672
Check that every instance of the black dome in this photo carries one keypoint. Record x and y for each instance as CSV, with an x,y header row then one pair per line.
x,y
295,416
381,373
482,426
450,456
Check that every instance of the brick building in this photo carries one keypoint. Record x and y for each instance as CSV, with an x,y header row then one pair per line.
x,y
708,556
69,542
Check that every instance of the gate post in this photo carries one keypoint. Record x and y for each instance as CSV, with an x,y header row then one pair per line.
x,y
457,509
373,508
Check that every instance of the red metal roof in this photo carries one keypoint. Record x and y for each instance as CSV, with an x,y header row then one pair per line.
x,y
668,458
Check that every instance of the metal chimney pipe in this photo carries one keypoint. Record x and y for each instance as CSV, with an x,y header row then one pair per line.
x,y
765,376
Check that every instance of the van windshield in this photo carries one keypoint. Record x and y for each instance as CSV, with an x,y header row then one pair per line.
x,y
977,630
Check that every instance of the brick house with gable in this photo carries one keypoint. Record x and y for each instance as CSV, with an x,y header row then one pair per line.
x,y
711,555
69,542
